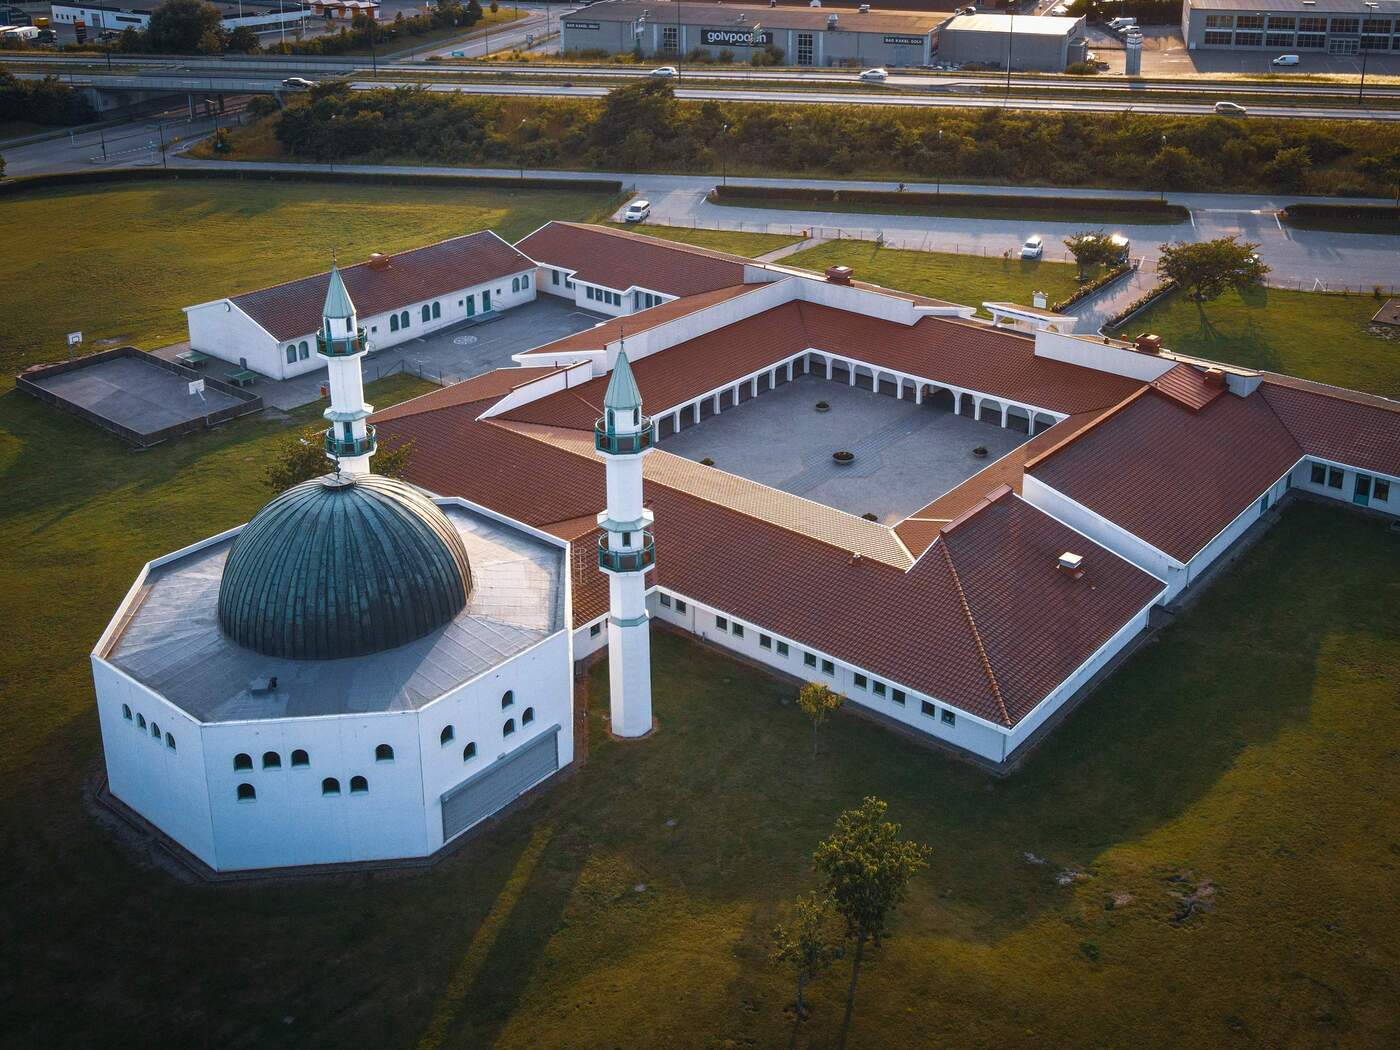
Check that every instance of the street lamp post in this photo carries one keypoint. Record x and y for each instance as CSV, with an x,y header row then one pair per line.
x,y
1010,38
1371,5
724,156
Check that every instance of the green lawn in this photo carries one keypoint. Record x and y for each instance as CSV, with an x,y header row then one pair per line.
x,y
736,241
967,279
1314,335
1248,755
118,262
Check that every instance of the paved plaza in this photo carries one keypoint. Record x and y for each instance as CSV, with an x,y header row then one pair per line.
x,y
906,455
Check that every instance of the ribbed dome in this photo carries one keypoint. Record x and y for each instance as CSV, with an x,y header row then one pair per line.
x,y
333,569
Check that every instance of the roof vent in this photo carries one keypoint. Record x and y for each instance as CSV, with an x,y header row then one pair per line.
x,y
830,21
378,261
864,9
839,274
741,17
1072,564
1148,344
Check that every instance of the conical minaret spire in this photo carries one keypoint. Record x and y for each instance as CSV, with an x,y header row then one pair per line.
x,y
623,437
341,343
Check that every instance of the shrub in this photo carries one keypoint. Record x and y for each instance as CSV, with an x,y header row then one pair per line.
x,y
1082,69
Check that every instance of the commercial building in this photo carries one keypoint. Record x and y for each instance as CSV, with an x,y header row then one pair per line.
x,y
1334,27
806,36
1027,42
136,14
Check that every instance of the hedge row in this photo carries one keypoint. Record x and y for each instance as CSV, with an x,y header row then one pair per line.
x,y
1142,302
79,178
1381,214
1099,282
918,198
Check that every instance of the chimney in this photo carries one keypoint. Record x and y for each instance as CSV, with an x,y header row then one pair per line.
x,y
839,274
1215,377
1038,300
1148,344
1072,565
378,261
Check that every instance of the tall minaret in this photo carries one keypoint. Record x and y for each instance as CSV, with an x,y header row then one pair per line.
x,y
341,342
623,437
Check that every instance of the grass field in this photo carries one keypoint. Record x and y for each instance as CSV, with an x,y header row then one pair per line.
x,y
118,262
738,242
1246,758
967,279
1314,335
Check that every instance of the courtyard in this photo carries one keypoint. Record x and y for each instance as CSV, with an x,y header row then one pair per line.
x,y
906,455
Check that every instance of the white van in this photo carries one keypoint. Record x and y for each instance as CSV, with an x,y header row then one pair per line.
x,y
1122,23
1286,60
637,211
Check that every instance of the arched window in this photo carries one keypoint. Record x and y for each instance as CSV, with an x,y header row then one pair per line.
x,y
358,785
469,752
300,758
303,351
515,284
126,712
291,353
242,762
170,741
528,716
140,721
155,730
403,319
525,280
393,322
507,698
272,760
508,728
246,793
427,312
330,786
445,737
383,753
437,310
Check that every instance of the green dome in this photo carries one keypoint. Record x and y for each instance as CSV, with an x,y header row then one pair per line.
x,y
336,568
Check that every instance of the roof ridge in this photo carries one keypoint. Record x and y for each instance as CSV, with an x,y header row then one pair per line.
x,y
1340,393
662,242
1108,413
942,542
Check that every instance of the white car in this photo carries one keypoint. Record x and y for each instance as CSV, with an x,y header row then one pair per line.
x,y
1230,109
1059,10
297,82
665,71
637,211
877,75
1286,60
1034,247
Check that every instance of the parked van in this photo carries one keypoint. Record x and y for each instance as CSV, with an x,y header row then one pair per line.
x,y
1286,60
637,211
1121,23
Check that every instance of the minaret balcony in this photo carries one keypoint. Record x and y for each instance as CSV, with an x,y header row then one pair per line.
x,y
346,448
615,444
638,559
341,345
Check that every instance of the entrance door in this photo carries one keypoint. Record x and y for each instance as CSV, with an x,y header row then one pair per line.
x,y
471,306
486,301
1343,47
1361,494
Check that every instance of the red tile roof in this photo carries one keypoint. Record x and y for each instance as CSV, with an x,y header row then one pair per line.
x,y
1356,429
619,260
600,335
1189,386
489,386
1170,475
291,310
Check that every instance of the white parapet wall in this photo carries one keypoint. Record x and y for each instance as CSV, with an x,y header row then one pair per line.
x,y
1101,356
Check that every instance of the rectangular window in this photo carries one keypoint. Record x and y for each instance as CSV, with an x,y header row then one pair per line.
x,y
1282,22
1334,478
666,600
669,36
764,642
860,681
809,659
1307,40
721,623
1217,36
927,708
1278,39
782,648
1249,39
949,718
1312,25
1319,474
554,277
1376,25
1249,22
595,630
1220,21
680,606
804,49
1346,25
738,630
1375,43
1380,491
828,667
878,688
898,697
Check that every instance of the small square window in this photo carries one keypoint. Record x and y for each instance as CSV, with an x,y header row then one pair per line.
x,y
1334,478
782,648
680,606
666,600
878,688
927,708
861,681
721,623
738,630
764,642
828,667
898,697
1380,491
1319,474
948,717
809,659
595,630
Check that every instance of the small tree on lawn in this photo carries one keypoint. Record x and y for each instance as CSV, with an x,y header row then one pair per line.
x,y
301,456
808,945
1206,268
1089,249
818,703
867,867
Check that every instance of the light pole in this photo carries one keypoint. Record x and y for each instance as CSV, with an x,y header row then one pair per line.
x,y
1010,37
1371,5
939,174
521,157
724,156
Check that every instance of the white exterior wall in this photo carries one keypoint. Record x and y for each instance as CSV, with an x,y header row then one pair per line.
x,y
226,332
1100,356
1232,532
1302,479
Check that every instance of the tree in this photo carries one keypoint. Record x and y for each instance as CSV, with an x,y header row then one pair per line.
x,y
2,165
178,26
301,456
1089,249
243,40
867,868
1289,169
1207,268
808,945
818,703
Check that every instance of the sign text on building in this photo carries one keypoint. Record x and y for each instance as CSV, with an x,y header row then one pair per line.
x,y
737,37
917,41
581,25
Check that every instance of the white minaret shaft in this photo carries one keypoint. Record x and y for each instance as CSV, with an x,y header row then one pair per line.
x,y
623,437
341,344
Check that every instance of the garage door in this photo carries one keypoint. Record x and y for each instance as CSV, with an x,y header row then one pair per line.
x,y
507,778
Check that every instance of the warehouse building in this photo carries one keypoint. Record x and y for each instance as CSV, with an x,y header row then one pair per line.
x,y
806,36
1033,42
1336,27
136,14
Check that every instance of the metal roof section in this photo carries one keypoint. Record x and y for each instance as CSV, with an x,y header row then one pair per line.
x,y
170,638
622,392
338,304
